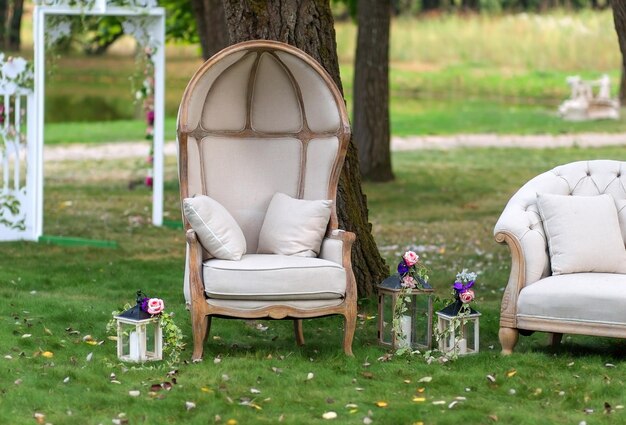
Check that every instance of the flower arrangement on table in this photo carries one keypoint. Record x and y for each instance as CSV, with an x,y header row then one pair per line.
x,y
413,275
172,335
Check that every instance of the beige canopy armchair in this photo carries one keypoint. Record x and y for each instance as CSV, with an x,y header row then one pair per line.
x,y
262,121
566,230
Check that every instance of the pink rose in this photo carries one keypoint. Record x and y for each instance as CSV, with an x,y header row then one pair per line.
x,y
155,305
411,258
467,296
408,282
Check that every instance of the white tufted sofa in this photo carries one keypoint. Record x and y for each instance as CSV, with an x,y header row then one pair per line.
x,y
579,303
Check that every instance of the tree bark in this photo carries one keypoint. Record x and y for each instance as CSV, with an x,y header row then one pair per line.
x,y
619,19
15,25
371,90
211,24
4,13
428,5
308,25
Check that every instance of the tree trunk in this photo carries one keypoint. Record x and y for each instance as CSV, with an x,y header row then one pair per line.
x,y
211,25
308,25
619,18
428,5
4,12
371,90
15,25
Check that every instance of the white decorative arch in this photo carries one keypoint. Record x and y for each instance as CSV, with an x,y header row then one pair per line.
x,y
146,23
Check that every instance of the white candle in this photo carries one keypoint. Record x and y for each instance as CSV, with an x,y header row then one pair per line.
x,y
462,346
406,326
134,346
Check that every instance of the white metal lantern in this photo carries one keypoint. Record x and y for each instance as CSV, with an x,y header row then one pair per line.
x,y
417,322
462,338
139,336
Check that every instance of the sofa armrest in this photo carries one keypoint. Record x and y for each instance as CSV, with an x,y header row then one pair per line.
x,y
517,278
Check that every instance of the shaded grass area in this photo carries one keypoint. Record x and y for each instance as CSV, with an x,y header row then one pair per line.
x,y
443,203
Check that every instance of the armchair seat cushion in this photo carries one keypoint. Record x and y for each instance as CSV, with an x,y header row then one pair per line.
x,y
274,277
582,297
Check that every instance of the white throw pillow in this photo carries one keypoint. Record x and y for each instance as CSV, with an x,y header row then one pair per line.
x,y
583,233
217,230
294,226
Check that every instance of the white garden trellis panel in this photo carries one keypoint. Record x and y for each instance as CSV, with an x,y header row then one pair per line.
x,y
152,26
20,166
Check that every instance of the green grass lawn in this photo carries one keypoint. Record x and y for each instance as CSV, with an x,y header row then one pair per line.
x,y
445,202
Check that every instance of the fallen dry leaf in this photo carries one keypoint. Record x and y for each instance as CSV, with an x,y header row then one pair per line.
x,y
255,391
26,335
89,357
329,415
491,379
309,376
439,402
66,380
231,422
40,418
511,373
134,393
190,405
426,379
419,399
382,403
367,420
47,354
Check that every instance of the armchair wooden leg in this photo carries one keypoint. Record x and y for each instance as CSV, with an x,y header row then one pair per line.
x,y
297,329
508,339
554,338
348,333
201,326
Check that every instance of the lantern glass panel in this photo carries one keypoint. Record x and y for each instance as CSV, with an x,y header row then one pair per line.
x,y
420,309
386,318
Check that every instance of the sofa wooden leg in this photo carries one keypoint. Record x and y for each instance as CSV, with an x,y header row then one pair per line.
x,y
201,326
554,339
348,333
297,329
508,339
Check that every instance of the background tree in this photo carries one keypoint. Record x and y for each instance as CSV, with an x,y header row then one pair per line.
x,y
371,90
308,25
619,18
10,24
211,25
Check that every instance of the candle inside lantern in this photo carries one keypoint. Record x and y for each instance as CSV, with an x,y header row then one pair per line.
x,y
134,346
462,346
406,326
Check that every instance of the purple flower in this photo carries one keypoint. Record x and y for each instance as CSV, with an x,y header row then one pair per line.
x,y
144,304
461,287
402,267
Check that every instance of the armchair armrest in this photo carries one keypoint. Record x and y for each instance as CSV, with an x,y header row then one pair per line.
x,y
193,269
336,246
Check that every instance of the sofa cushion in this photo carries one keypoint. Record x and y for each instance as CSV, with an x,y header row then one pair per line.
x,y
584,297
294,226
217,230
274,277
583,233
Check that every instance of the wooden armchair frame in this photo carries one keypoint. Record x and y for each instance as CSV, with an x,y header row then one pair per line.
x,y
201,310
